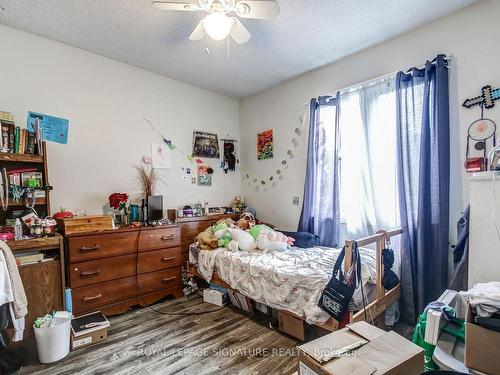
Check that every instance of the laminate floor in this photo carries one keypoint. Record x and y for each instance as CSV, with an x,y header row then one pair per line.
x,y
142,341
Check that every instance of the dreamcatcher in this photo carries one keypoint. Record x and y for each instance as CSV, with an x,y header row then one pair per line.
x,y
480,132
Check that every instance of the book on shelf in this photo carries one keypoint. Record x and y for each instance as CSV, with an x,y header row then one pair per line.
x,y
13,139
28,257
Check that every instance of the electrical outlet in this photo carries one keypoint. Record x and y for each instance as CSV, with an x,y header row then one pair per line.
x,y
295,201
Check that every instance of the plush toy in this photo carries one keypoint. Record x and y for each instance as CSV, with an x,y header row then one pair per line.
x,y
244,239
246,221
268,239
220,231
206,240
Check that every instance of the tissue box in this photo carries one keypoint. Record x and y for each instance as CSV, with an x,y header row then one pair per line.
x,y
215,297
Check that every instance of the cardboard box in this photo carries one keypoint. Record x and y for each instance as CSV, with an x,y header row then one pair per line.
x,y
360,349
291,325
215,297
88,329
482,346
89,339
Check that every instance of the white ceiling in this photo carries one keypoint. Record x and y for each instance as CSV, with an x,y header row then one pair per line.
x,y
306,35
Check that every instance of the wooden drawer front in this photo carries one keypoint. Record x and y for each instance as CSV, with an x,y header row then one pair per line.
x,y
91,297
98,271
159,260
100,246
154,281
151,239
190,230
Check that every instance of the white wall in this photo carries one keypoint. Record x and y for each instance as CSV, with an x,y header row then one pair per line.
x,y
470,36
106,103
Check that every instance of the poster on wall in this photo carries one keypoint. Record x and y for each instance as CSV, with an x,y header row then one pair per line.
x,y
54,129
204,175
160,156
205,145
265,146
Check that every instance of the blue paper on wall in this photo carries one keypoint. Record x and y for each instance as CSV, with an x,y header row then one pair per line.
x,y
54,129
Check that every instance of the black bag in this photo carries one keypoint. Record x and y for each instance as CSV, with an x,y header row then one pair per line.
x,y
338,293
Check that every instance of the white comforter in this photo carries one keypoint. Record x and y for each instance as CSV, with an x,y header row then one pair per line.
x,y
291,280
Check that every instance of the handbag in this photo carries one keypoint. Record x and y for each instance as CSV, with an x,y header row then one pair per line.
x,y
338,292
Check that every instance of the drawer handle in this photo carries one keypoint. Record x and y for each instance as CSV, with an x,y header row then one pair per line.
x,y
97,271
167,279
97,296
167,238
166,259
89,248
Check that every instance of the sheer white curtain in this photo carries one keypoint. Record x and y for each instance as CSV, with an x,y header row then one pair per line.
x,y
368,192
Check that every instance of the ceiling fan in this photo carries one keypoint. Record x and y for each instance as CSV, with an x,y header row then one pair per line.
x,y
217,24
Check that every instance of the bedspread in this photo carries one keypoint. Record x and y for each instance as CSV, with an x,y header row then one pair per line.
x,y
290,280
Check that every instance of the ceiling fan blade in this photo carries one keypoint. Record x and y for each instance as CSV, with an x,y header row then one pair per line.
x,y
263,9
176,5
239,33
198,32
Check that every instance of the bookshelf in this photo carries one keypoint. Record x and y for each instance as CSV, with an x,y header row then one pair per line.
x,y
36,163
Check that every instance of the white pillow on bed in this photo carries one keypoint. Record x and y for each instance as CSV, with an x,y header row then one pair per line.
x,y
245,240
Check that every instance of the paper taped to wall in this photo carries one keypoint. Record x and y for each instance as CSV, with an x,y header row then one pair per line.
x,y
54,129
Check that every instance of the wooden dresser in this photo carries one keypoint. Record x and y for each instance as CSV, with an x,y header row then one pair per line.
x,y
111,271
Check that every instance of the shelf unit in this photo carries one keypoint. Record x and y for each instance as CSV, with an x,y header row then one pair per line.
x,y
19,161
43,282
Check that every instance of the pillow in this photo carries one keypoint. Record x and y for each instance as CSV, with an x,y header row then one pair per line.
x,y
303,239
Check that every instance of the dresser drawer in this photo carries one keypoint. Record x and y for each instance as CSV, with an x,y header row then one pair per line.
x,y
98,271
154,281
159,260
160,238
101,245
91,297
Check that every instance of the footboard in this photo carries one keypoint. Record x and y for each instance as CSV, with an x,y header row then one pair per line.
x,y
383,298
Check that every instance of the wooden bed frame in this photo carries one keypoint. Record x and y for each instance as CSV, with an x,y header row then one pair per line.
x,y
383,299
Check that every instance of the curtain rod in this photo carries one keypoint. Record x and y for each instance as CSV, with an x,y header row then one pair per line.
x,y
384,76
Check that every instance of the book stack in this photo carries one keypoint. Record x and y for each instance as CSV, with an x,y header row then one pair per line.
x,y
15,140
28,257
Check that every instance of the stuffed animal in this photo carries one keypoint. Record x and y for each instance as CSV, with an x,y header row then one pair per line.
x,y
246,221
268,239
206,240
220,231
244,239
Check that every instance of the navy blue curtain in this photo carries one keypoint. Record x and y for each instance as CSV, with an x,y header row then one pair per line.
x,y
423,141
320,211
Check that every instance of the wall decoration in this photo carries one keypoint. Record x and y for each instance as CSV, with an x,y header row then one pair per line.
x,y
486,99
264,182
54,129
229,163
265,145
160,156
205,145
479,132
204,175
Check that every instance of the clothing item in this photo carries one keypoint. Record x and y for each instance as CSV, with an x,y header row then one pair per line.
x,y
460,280
7,297
20,301
485,297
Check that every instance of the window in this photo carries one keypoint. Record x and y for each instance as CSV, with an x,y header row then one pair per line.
x,y
367,151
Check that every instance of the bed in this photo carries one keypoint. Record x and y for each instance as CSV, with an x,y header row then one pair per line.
x,y
292,280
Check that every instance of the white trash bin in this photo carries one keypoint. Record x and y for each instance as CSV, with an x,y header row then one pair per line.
x,y
52,343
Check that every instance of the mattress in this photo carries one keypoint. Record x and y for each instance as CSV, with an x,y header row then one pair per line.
x,y
290,280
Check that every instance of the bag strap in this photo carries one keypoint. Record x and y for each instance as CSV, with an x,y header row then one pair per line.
x,y
338,263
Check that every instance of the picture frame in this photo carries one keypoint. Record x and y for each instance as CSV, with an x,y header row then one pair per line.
x,y
205,145
265,145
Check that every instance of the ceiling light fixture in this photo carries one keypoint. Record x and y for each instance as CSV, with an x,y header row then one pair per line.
x,y
217,25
